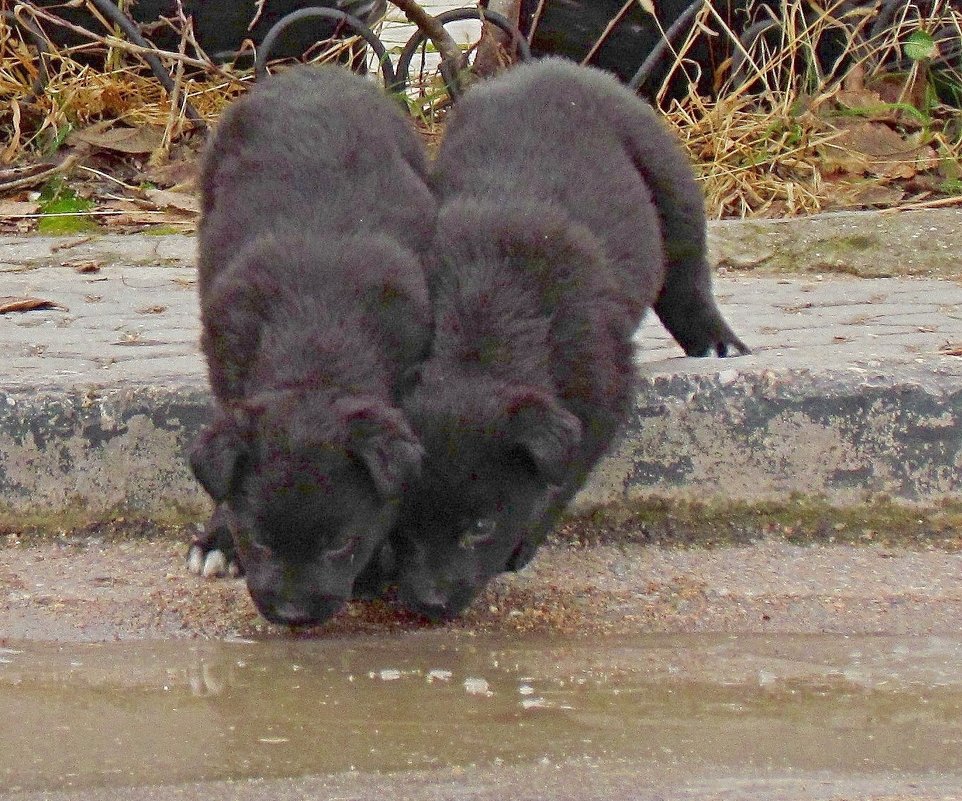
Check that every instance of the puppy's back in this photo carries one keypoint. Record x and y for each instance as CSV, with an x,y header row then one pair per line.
x,y
318,148
555,132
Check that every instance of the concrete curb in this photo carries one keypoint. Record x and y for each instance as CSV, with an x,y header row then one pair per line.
x,y
853,389
838,434
84,453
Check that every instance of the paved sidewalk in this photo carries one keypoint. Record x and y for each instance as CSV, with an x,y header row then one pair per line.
x,y
852,387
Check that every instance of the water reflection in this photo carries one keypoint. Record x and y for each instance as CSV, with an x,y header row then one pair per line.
x,y
105,714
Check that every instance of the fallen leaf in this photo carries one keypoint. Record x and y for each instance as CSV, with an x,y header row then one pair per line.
x,y
181,173
169,199
91,266
902,88
871,147
10,174
71,244
135,141
17,208
859,193
134,342
15,304
794,308
861,98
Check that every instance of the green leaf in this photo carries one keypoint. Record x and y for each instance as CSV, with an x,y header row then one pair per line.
x,y
921,46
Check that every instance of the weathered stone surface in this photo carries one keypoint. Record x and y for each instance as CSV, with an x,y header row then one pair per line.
x,y
94,450
853,387
760,435
867,244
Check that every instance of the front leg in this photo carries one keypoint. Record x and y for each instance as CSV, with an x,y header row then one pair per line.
x,y
232,313
212,553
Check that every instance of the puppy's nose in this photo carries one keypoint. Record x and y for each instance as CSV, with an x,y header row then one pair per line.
x,y
298,611
291,614
427,601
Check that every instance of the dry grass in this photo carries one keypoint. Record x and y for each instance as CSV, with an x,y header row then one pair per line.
x,y
779,137
77,94
761,146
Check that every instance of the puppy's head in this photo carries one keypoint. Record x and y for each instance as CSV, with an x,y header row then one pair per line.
x,y
312,488
496,456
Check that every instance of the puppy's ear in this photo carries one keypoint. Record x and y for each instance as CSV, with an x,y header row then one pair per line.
x,y
408,381
547,432
380,437
219,453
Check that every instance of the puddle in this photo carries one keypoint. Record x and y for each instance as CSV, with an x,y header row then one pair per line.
x,y
95,715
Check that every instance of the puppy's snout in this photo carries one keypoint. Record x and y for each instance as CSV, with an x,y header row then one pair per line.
x,y
426,600
310,610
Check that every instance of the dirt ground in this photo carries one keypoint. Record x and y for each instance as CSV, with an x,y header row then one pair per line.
x,y
96,589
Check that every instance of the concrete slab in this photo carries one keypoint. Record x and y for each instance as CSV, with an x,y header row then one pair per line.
x,y
854,387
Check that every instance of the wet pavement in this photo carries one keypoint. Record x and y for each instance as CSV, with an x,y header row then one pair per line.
x,y
606,670
746,708
762,672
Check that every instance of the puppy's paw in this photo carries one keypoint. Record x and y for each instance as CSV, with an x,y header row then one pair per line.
x,y
522,555
727,343
212,553
377,576
706,333
697,324
211,564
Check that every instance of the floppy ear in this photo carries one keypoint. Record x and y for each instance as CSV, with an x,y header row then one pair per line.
x,y
380,437
218,453
547,432
408,381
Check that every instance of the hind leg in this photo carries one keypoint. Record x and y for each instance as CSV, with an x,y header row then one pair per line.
x,y
689,312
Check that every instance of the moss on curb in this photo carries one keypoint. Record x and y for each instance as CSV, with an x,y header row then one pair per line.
x,y
802,520
77,522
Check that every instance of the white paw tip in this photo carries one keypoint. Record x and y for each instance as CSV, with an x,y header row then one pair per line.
x,y
215,564
195,560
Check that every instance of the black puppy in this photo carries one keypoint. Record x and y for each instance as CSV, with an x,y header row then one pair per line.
x,y
313,301
565,211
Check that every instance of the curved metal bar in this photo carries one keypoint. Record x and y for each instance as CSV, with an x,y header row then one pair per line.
x,y
884,18
644,71
132,32
747,41
40,42
457,15
264,51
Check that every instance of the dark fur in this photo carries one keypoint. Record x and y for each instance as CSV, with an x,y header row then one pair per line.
x,y
313,302
565,211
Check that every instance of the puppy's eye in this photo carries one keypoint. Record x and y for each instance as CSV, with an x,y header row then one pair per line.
x,y
260,551
346,551
480,532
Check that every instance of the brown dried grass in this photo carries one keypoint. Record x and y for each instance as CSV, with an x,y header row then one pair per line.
x,y
757,148
77,95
